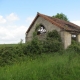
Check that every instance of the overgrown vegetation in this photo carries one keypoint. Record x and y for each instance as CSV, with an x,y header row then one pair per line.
x,y
36,29
53,42
10,54
74,47
34,47
32,63
44,67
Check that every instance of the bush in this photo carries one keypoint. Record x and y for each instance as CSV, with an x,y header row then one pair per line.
x,y
53,42
75,46
8,54
34,47
54,35
18,50
24,48
51,46
7,57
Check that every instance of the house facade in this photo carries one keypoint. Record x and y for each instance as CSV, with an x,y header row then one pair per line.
x,y
67,30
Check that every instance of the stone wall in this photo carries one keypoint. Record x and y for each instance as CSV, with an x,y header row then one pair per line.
x,y
78,37
49,27
66,39
65,36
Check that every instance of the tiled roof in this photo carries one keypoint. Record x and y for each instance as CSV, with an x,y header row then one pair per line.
x,y
64,25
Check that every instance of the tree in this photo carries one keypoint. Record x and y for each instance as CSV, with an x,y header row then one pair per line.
x,y
61,16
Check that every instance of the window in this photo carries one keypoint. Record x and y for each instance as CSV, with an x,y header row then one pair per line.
x,y
74,37
41,30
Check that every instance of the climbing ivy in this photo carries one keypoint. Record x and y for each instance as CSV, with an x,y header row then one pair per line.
x,y
36,28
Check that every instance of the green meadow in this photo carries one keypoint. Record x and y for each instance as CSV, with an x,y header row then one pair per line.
x,y
52,66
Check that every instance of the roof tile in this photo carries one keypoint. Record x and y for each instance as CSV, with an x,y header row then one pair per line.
x,y
65,25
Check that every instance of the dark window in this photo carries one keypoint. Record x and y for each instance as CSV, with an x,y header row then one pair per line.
x,y
74,37
41,30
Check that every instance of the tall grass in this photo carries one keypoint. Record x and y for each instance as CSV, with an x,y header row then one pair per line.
x,y
44,67
29,62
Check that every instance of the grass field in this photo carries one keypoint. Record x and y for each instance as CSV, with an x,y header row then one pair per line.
x,y
52,66
36,60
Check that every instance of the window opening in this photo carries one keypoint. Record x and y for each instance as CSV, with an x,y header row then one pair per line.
x,y
41,30
74,37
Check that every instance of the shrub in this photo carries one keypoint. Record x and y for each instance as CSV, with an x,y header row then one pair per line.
x,y
75,46
18,50
34,47
8,54
53,42
54,35
24,48
51,46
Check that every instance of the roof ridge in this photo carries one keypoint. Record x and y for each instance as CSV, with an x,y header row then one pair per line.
x,y
50,20
65,25
66,22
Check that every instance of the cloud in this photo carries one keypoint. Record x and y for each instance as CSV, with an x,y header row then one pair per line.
x,y
9,35
12,32
2,20
76,22
12,17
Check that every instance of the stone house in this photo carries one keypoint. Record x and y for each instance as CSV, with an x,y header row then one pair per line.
x,y
67,30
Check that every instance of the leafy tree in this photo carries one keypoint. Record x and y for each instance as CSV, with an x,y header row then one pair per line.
x,y
61,16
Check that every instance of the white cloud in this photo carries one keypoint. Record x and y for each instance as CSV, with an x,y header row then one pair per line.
x,y
11,32
76,22
12,17
2,20
9,35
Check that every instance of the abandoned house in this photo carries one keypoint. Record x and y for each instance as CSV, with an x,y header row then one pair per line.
x,y
67,30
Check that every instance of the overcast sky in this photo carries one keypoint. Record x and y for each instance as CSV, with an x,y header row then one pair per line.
x,y
17,15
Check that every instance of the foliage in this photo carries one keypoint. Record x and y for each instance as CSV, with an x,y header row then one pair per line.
x,y
51,46
41,66
53,42
34,34
34,47
36,29
44,67
61,16
54,35
75,46
8,54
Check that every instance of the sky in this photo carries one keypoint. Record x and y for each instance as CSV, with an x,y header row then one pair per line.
x,y
17,15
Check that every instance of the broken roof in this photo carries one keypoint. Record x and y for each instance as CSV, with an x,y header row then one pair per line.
x,y
64,25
